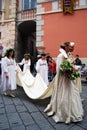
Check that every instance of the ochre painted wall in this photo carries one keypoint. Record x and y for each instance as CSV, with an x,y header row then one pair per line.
x,y
59,28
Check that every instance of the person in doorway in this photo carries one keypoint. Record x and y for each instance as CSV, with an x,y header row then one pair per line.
x,y
65,105
42,67
26,62
8,77
78,62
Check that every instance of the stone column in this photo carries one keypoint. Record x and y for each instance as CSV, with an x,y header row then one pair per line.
x,y
3,10
13,9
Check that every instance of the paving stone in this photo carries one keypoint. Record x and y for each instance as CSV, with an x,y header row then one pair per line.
x,y
4,125
2,111
10,108
1,100
41,121
21,94
17,101
3,119
63,126
76,128
1,105
83,123
19,128
14,119
52,122
41,107
30,106
46,116
26,118
7,100
33,127
85,111
21,108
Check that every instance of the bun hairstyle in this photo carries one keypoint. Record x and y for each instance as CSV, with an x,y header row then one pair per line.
x,y
72,44
64,45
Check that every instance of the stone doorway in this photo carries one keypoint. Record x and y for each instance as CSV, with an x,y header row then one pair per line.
x,y
26,41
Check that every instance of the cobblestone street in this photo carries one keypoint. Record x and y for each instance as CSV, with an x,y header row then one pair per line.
x,y
22,113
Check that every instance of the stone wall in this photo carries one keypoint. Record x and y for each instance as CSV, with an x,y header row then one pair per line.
x,y
8,24
8,35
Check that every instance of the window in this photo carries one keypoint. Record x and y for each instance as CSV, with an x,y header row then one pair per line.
x,y
0,5
26,4
81,4
29,4
33,3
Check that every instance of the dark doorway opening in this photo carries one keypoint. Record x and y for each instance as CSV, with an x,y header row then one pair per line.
x,y
26,41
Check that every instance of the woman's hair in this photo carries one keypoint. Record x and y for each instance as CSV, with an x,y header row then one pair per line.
x,y
64,45
27,54
8,52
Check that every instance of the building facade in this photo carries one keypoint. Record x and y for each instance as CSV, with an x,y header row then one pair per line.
x,y
31,25
54,26
18,27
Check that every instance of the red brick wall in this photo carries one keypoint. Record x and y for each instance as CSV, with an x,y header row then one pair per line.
x,y
59,28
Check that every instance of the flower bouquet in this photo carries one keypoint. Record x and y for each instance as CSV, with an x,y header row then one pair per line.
x,y
68,69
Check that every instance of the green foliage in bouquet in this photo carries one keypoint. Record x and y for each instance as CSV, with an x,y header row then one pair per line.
x,y
68,69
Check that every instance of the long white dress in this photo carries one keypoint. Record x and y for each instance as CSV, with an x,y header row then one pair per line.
x,y
42,69
26,64
9,66
65,105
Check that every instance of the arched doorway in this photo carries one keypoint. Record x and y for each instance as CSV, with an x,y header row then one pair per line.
x,y
26,41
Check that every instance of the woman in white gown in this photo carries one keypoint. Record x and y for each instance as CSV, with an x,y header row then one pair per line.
x,y
26,62
42,68
8,77
65,105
